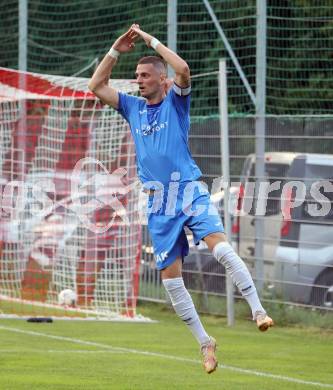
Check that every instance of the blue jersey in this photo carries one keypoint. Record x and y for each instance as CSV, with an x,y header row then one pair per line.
x,y
160,133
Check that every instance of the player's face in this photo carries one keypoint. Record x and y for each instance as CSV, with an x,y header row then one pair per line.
x,y
150,79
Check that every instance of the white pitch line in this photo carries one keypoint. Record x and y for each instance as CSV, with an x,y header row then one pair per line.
x,y
165,356
80,351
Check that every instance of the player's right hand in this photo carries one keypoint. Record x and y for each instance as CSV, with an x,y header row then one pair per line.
x,y
126,42
146,37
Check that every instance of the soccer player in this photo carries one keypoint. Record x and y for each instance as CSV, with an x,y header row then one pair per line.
x,y
159,122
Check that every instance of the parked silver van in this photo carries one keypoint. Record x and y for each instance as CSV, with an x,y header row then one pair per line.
x,y
277,165
304,257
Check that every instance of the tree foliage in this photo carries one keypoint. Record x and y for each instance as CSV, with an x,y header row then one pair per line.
x,y
66,37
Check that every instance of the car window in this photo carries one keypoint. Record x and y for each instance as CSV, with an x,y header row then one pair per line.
x,y
314,175
317,172
273,172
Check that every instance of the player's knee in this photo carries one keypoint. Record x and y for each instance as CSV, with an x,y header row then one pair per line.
x,y
174,270
213,239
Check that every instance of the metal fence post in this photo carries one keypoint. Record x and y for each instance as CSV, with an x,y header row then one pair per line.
x,y
172,30
260,136
224,139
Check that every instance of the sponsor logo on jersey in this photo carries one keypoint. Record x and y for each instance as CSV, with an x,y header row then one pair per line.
x,y
148,129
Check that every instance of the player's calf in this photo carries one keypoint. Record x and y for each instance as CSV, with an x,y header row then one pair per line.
x,y
241,277
184,307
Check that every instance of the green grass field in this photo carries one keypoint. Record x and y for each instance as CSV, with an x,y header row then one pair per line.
x,y
163,355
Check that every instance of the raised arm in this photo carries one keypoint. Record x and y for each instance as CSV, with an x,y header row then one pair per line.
x,y
99,83
181,68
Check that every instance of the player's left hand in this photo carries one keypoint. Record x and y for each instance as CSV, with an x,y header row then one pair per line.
x,y
146,37
126,42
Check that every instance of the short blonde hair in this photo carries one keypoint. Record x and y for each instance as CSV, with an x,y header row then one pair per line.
x,y
158,62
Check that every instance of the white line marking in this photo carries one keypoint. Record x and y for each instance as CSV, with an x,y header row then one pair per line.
x,y
80,351
165,356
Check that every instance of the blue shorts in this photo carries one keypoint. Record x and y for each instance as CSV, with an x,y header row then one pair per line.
x,y
170,211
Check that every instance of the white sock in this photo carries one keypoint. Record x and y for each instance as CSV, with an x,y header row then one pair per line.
x,y
184,307
240,275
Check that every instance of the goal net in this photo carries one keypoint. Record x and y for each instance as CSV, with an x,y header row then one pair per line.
x,y
69,217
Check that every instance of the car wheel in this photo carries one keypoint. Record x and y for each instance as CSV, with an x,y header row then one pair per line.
x,y
322,293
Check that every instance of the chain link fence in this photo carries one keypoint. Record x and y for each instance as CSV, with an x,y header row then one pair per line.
x,y
70,38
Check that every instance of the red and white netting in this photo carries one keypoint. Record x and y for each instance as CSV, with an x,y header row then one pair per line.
x,y
52,237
